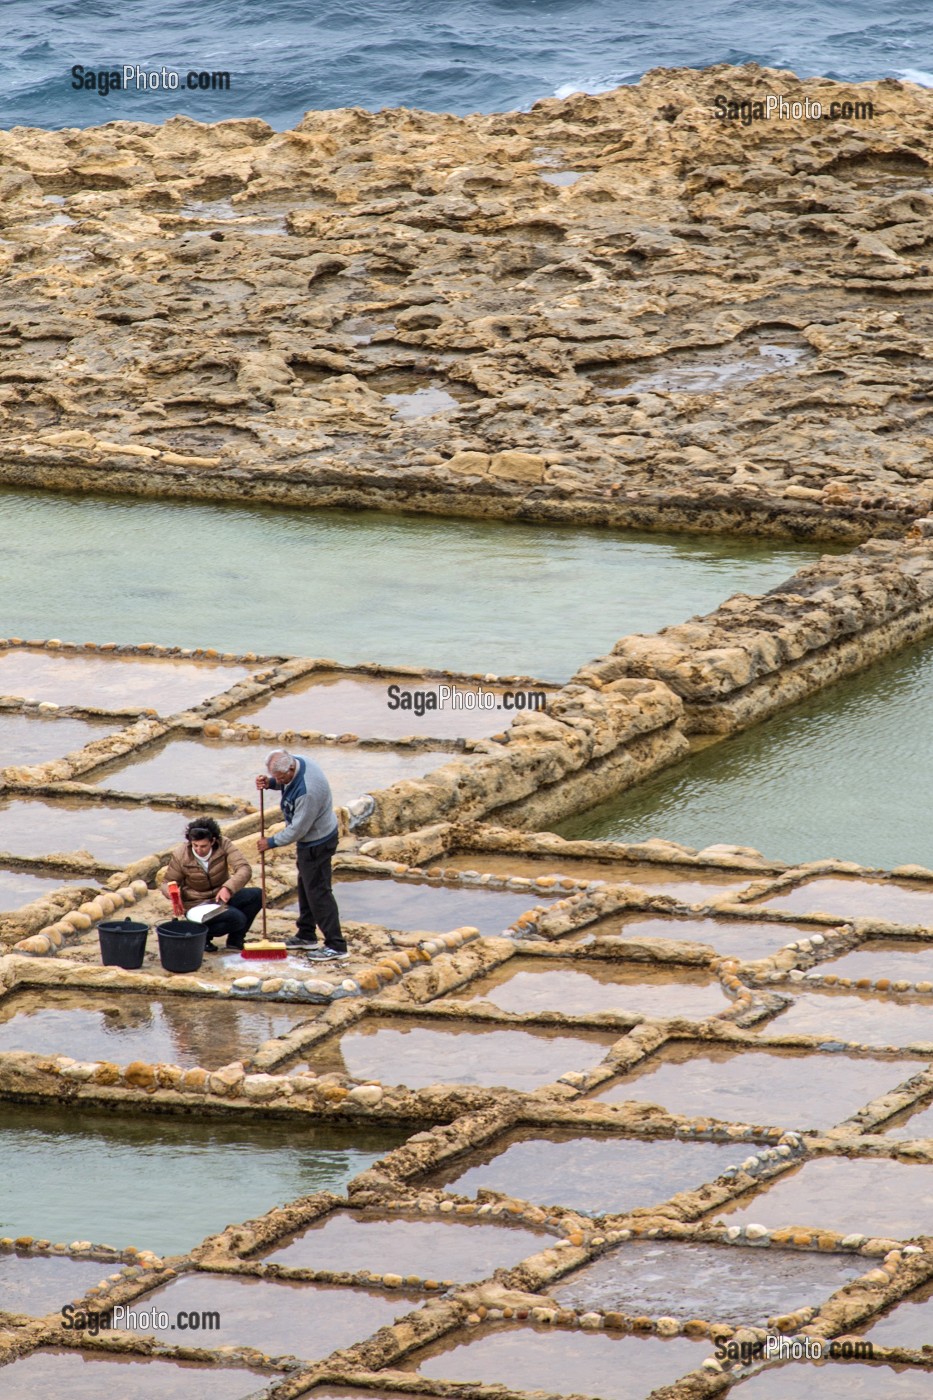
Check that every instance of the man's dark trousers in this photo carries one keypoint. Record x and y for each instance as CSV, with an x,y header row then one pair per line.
x,y
317,907
237,918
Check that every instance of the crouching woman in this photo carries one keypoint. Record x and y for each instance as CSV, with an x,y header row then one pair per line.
x,y
209,869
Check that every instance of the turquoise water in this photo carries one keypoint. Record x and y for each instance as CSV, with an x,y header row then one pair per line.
x,y
840,775
483,596
163,1183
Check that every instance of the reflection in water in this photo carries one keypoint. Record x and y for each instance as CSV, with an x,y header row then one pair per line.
x,y
179,1030
635,988
418,1054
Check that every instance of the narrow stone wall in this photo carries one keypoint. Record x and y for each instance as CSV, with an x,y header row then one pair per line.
x,y
550,765
754,655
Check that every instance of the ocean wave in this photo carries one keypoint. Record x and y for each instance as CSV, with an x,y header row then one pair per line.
x,y
591,86
285,57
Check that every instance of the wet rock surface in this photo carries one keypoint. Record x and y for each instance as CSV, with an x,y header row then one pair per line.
x,y
716,318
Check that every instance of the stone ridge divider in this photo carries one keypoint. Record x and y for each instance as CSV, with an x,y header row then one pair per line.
x,y
586,747
445,838
754,655
799,963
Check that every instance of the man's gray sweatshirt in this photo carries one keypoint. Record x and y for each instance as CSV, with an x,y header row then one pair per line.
x,y
307,806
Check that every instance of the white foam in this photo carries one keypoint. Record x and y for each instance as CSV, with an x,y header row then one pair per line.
x,y
592,86
916,75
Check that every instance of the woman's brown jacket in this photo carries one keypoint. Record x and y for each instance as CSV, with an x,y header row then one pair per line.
x,y
228,868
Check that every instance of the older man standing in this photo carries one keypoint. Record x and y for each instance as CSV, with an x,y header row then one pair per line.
x,y
308,809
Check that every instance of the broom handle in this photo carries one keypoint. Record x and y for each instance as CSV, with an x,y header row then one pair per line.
x,y
262,857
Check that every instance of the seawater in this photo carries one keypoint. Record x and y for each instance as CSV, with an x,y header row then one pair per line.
x,y
486,596
163,1183
835,776
285,57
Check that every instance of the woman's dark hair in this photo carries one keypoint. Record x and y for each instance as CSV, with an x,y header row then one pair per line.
x,y
202,828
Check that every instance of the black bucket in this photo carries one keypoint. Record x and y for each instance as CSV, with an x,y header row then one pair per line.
x,y
123,943
181,945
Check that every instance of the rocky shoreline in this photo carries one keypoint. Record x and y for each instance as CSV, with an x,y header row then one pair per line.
x,y
619,309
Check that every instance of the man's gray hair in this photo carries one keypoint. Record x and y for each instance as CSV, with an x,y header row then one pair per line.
x,y
278,762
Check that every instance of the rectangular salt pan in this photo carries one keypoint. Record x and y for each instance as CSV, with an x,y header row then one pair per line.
x,y
861,1018
898,959
40,1284
526,985
119,1027
744,1287
893,1200
27,739
729,938
577,1363
771,1088
410,906
190,767
111,835
309,1320
893,902
363,705
83,1376
828,1380
114,682
596,1175
19,887
417,1054
419,1246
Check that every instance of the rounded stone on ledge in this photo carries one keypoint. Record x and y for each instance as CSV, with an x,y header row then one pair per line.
x,y
37,945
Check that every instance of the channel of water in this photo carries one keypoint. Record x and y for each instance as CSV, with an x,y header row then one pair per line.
x,y
163,1183
827,778
486,596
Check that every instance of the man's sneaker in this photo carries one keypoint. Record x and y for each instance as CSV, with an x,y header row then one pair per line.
x,y
326,954
210,947
300,942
